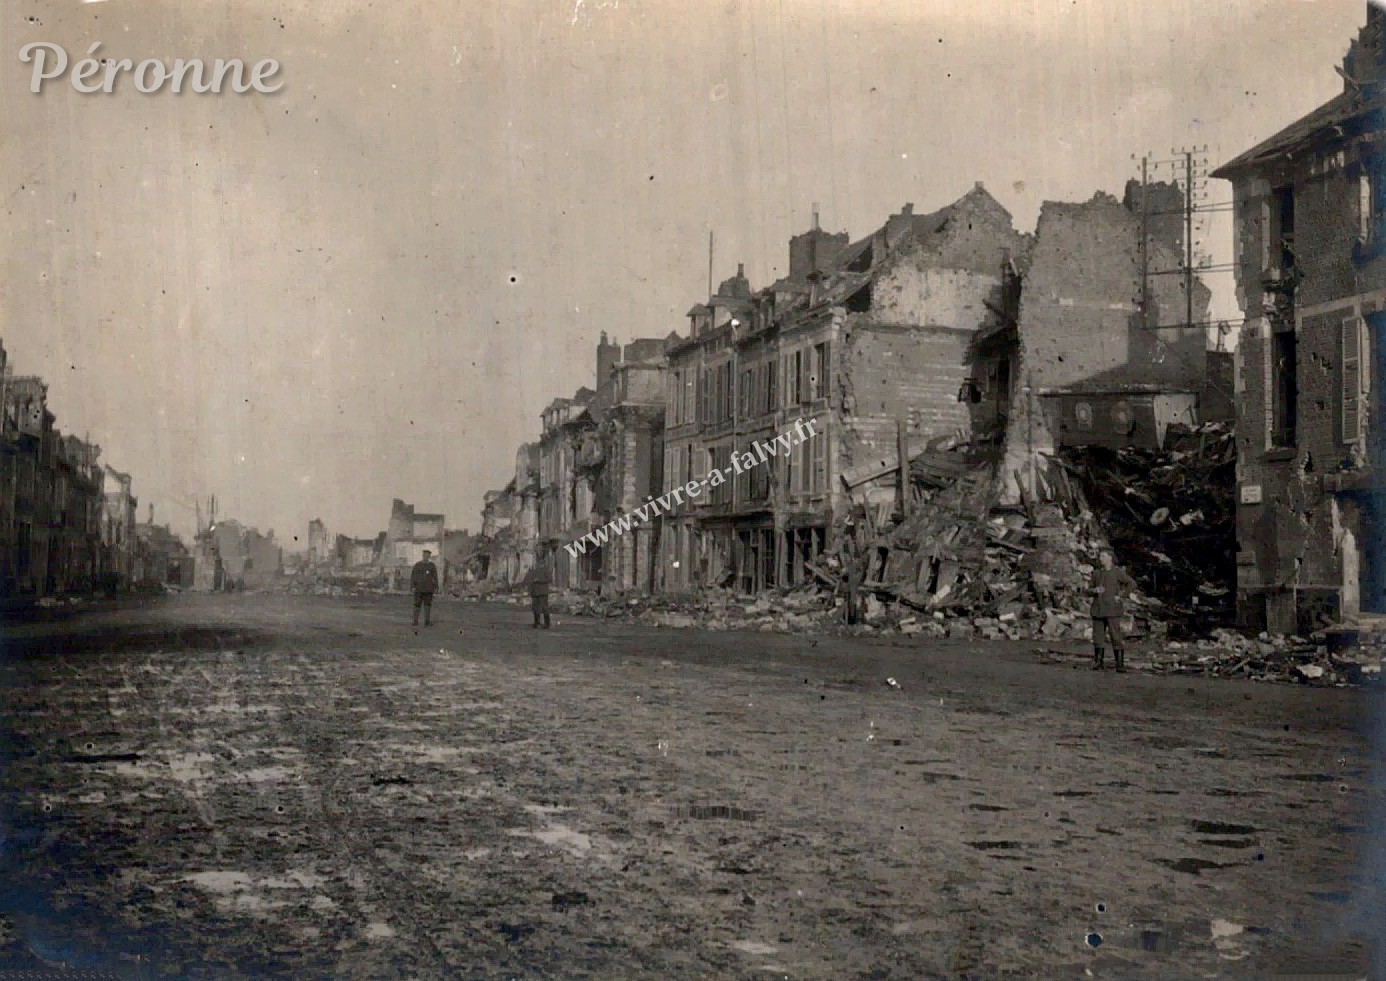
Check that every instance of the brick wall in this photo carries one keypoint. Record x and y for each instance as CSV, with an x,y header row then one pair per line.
x,y
887,373
908,293
1080,322
1296,541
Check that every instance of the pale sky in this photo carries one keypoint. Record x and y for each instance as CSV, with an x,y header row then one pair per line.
x,y
369,284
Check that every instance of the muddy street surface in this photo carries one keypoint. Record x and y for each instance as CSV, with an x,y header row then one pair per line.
x,y
256,786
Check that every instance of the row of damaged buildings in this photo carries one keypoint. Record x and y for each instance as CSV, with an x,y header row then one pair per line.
x,y
1060,357
599,455
67,522
938,329
390,555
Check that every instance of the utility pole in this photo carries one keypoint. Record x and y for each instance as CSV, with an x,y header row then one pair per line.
x,y
1187,170
1145,243
709,265
1188,236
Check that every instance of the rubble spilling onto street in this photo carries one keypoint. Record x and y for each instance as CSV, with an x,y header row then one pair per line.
x,y
1228,654
1169,516
962,564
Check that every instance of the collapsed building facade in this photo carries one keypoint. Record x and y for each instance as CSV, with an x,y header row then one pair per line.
x,y
1310,260
504,550
1105,352
870,342
409,534
944,355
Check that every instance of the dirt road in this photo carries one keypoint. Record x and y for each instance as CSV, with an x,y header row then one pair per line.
x,y
259,786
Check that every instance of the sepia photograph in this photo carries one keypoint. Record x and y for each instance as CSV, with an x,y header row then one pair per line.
x,y
831,490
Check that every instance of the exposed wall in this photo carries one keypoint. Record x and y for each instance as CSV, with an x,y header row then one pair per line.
x,y
1080,326
886,373
909,292
1080,323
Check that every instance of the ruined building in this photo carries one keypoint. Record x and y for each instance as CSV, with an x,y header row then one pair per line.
x,y
1106,350
1310,257
408,535
871,342
623,458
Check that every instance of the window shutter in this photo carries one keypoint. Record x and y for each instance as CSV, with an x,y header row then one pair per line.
x,y
1352,380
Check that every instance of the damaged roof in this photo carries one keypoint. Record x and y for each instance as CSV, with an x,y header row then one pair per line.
x,y
1341,116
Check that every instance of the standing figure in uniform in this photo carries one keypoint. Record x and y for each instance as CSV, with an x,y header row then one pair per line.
x,y
540,580
854,561
1110,587
423,580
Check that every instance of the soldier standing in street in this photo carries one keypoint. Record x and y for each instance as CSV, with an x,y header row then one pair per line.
x,y
854,561
1110,586
540,580
423,580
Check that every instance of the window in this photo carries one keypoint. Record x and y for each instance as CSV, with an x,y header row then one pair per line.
x,y
1281,254
1351,377
1371,205
820,370
817,445
1284,388
719,458
772,368
794,381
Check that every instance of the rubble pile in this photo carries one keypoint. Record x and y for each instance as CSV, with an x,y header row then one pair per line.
x,y
975,567
1227,654
712,609
333,585
1170,518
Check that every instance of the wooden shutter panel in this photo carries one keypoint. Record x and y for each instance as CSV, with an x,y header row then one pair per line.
x,y
1352,380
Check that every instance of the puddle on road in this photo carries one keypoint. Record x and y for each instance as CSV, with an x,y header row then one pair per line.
x,y
754,948
1308,777
265,774
932,776
558,836
1228,842
1226,792
428,753
1195,866
102,758
1330,897
714,812
237,892
987,807
987,846
1221,828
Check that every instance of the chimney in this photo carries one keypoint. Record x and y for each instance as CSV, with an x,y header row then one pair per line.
x,y
908,209
740,270
608,356
978,186
815,216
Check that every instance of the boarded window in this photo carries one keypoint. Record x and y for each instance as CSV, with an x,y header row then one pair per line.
x,y
1352,380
